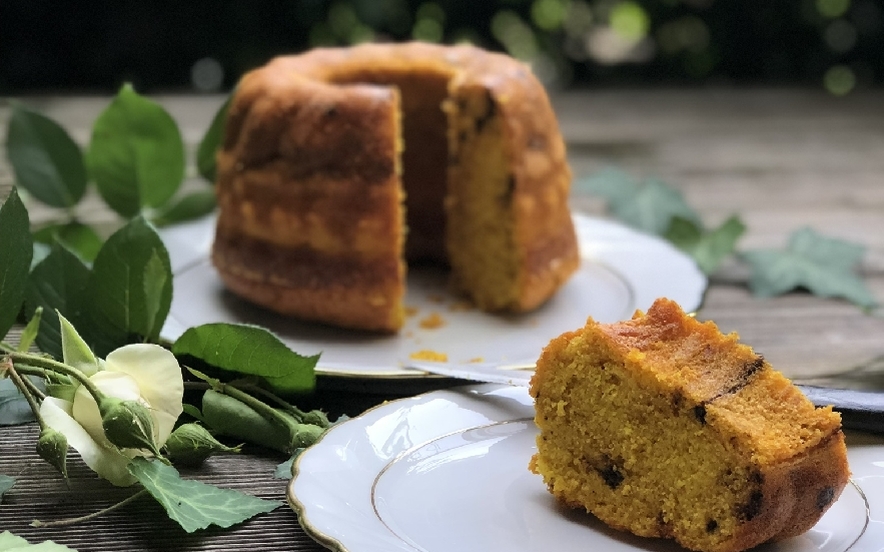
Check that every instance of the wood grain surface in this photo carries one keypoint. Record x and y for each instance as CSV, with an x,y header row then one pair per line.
x,y
781,159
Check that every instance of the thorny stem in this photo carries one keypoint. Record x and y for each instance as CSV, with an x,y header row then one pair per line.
x,y
7,366
33,389
47,364
262,408
93,515
292,409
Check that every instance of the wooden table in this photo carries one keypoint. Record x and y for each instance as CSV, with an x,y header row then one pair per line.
x,y
781,159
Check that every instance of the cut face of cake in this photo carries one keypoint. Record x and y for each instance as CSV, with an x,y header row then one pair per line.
x,y
664,427
341,165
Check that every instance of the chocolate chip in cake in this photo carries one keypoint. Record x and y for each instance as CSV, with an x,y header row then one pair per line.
x,y
824,497
711,526
752,508
611,475
700,413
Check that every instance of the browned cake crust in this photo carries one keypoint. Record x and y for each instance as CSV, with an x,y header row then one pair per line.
x,y
664,427
312,219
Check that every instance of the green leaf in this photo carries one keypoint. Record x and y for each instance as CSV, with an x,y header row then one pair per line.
x,y
58,283
6,483
15,259
284,470
649,206
824,266
136,155
13,543
30,331
610,183
195,505
130,288
212,140
707,248
14,408
249,350
46,161
189,207
76,236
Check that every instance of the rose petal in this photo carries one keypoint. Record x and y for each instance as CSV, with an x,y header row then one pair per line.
x,y
107,462
159,379
85,411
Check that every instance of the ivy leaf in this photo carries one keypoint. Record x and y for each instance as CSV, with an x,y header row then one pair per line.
x,y
212,140
189,207
284,470
708,248
46,160
649,206
130,288
15,259
249,350
76,236
195,505
824,266
58,283
136,155
13,543
6,483
14,408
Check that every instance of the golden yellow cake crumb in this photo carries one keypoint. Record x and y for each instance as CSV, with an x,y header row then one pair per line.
x,y
432,322
432,356
664,427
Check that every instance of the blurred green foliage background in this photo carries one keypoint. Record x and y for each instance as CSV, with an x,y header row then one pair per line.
x,y
205,45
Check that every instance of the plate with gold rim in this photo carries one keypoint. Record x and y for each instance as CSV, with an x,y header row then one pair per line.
x,y
447,471
622,270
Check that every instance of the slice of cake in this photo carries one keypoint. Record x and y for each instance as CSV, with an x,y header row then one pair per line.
x,y
664,427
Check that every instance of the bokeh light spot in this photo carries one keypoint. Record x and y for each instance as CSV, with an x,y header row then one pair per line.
x,y
427,30
549,14
630,21
832,8
207,75
840,36
839,80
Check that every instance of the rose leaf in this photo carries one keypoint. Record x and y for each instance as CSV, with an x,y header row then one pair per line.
x,y
249,350
130,288
15,259
211,141
136,155
58,283
45,159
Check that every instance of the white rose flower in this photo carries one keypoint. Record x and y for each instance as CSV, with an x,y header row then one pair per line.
x,y
146,373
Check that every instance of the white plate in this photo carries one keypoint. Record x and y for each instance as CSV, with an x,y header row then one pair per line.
x,y
447,472
622,270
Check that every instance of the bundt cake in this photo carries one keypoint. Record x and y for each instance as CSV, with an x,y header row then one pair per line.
x,y
325,153
664,427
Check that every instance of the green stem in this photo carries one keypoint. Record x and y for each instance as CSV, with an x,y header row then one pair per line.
x,y
33,389
88,517
19,382
257,405
292,409
38,361
6,347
